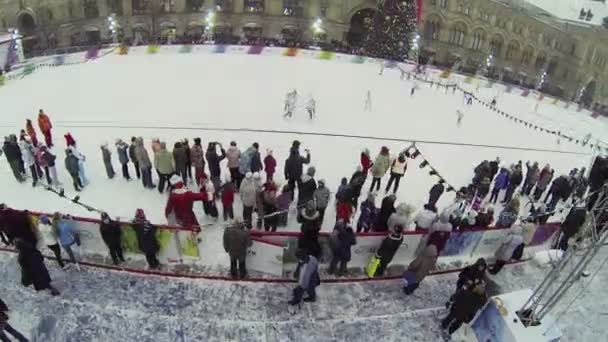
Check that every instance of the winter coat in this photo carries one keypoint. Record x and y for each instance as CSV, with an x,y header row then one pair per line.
x,y
502,180
180,203
106,155
66,232
439,238
532,173
250,161
398,167
110,233
483,189
270,165
11,151
321,197
42,162
71,164
306,190
544,178
356,183
387,208
44,123
122,150
424,263
141,155
366,163
367,216
294,164
341,240
466,304
248,192
481,171
180,158
27,153
515,179
344,211
132,154
146,236
33,270
228,191
506,219
17,224
389,247
381,165
197,156
484,220
213,160
233,154
574,220
236,242
509,244
436,192
493,168
401,217
308,272
163,162
425,219
472,274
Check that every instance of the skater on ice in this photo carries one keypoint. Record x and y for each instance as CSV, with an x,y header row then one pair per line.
x,y
311,107
493,103
414,87
460,115
290,103
368,101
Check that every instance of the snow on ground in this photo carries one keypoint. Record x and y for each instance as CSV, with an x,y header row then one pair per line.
x,y
103,306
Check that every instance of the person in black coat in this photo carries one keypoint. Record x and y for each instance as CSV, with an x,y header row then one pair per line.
x,y
387,208
341,240
294,164
13,156
5,326
311,225
436,192
387,249
307,187
571,225
472,274
33,270
356,184
111,234
560,189
465,306
146,238
213,160
133,157
17,224
515,180
494,166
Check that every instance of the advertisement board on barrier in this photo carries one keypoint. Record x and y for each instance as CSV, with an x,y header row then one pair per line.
x,y
489,242
461,243
265,257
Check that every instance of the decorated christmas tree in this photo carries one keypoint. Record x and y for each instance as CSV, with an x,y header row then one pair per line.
x,y
392,29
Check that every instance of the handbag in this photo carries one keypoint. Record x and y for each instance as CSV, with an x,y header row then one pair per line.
x,y
372,266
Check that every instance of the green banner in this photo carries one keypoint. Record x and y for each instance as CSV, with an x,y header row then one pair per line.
x,y
152,49
327,55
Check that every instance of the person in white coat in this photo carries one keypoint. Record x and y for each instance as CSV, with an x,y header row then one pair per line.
x,y
49,238
426,217
29,159
402,217
81,159
311,107
512,247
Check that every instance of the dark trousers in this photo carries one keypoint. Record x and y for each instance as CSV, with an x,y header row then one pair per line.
x,y
198,174
116,253
509,194
47,174
9,329
395,177
181,171
76,181
125,171
382,266
34,172
494,195
16,170
497,266
538,193
146,177
247,213
137,170
298,293
563,242
321,215
292,184
189,169
452,323
377,182
235,177
410,288
57,251
238,267
48,138
228,212
162,179
269,176
152,260
340,264
527,189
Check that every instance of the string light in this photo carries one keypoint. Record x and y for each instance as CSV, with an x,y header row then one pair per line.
x,y
113,26
317,26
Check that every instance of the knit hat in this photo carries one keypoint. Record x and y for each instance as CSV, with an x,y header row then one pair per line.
x,y
248,175
311,171
256,175
175,179
139,214
321,181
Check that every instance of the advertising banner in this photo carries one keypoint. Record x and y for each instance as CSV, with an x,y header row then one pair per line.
x,y
461,243
489,242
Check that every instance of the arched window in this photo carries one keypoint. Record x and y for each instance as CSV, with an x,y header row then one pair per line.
x,y
432,28
526,56
457,34
254,6
496,45
512,50
479,38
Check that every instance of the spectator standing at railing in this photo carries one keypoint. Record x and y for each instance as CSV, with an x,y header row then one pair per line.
x,y
197,157
509,214
515,179
180,161
402,217
29,128
307,274
122,149
233,154
388,248
270,165
379,168
387,208
67,234
500,183
213,161
49,238
250,160
420,268
133,157
33,270
269,202
294,165
436,192
283,202
12,153
310,230
485,217
426,217
440,232
107,160
164,163
532,176
44,123
341,240
321,197
146,238
367,214
141,155
307,186
236,243
248,198
180,203
227,192
111,234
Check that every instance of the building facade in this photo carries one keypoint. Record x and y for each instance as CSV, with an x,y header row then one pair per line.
x,y
504,39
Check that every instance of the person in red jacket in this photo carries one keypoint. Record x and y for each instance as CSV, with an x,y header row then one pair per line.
x,y
366,162
228,190
270,165
180,203
344,211
45,127
69,139
29,128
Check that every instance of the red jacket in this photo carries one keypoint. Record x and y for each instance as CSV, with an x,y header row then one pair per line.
x,y
344,211
44,123
270,164
180,203
228,195
69,140
29,128
366,163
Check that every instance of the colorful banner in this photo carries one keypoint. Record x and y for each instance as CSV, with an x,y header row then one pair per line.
x,y
152,49
461,243
326,55
290,52
219,49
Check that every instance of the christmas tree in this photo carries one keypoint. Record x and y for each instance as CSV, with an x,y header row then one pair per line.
x,y
392,30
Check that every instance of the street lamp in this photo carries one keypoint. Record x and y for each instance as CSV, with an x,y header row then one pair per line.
x,y
113,27
415,48
317,29
209,24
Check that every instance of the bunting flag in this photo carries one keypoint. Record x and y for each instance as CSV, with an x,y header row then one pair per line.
x,y
219,49
326,55
92,53
255,50
152,49
525,93
468,79
185,49
290,52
